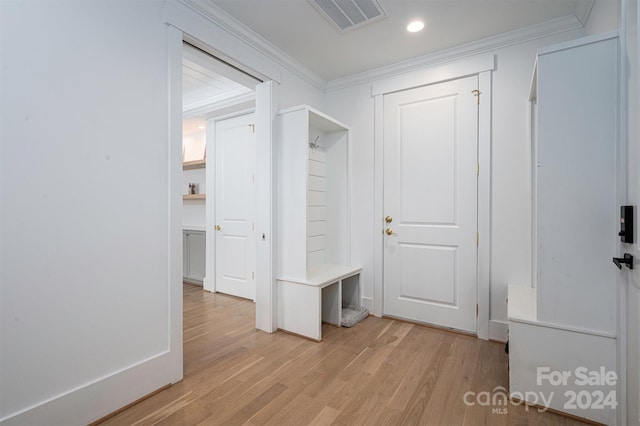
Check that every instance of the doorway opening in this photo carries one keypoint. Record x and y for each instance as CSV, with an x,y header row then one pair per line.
x,y
215,94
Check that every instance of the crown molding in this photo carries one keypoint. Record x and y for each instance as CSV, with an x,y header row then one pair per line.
x,y
489,44
234,27
205,108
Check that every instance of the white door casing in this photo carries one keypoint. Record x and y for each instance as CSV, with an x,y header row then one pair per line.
x,y
430,194
235,206
266,286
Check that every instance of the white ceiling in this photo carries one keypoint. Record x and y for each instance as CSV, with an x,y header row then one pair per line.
x,y
297,29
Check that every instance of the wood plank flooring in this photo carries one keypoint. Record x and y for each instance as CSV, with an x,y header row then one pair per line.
x,y
380,372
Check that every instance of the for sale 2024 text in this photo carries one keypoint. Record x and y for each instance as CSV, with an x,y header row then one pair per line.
x,y
595,399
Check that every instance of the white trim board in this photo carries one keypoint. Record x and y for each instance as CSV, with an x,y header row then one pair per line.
x,y
482,67
498,331
582,41
367,302
174,189
266,219
77,405
484,204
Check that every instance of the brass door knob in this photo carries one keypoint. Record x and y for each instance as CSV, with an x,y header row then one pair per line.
x,y
218,227
388,231
388,219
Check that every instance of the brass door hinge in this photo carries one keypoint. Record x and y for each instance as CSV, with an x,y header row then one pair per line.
x,y
477,95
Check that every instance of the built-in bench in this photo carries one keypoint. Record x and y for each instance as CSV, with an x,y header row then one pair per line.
x,y
304,305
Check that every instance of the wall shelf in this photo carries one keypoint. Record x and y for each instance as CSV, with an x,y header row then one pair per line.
x,y
196,164
194,196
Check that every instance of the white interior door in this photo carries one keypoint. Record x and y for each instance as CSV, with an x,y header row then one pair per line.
x,y
430,198
235,200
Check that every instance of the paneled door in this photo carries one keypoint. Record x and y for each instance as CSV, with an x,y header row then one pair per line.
x,y
235,195
430,204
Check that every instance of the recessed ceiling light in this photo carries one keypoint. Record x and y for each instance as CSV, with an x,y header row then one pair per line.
x,y
200,127
415,26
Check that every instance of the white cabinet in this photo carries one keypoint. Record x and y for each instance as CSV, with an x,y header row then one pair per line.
x,y
193,249
313,221
575,178
567,320
313,193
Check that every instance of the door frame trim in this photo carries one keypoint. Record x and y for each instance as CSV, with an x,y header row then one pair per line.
x,y
481,66
186,25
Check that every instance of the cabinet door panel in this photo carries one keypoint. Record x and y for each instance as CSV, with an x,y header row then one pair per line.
x,y
185,254
196,243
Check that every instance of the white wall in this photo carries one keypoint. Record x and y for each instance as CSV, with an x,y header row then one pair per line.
x,y
193,211
294,91
193,146
85,208
510,189
354,107
84,196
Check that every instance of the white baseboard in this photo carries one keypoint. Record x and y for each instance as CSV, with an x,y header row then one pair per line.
x,y
498,330
95,400
209,284
367,302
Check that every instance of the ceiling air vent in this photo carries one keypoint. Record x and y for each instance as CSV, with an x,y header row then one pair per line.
x,y
346,15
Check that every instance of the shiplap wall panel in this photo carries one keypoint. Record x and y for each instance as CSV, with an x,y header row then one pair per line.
x,y
316,207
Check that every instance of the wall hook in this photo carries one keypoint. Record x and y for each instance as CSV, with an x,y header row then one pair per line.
x,y
627,260
314,144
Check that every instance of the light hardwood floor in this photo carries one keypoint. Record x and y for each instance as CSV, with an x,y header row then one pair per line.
x,y
380,372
